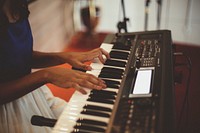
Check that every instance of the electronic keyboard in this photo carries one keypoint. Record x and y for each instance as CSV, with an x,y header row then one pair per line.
x,y
139,97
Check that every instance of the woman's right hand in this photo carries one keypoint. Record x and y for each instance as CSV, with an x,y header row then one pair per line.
x,y
67,78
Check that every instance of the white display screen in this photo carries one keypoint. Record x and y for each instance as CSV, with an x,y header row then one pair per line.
x,y
143,82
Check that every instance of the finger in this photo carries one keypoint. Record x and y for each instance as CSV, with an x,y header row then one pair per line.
x,y
78,88
88,67
95,80
84,66
105,53
97,53
101,58
90,56
81,74
87,84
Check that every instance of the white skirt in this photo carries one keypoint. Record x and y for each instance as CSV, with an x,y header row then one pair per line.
x,y
15,117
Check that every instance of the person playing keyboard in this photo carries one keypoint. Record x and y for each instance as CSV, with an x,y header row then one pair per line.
x,y
23,93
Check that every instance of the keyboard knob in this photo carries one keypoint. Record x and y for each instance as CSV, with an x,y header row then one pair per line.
x,y
137,63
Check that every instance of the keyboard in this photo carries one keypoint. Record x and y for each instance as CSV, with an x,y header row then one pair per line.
x,y
139,94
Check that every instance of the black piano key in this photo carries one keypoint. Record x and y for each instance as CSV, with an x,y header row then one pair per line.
x,y
100,100
115,63
103,92
95,113
113,86
80,131
108,81
111,69
94,96
91,122
95,107
112,72
119,55
119,52
89,128
110,75
121,46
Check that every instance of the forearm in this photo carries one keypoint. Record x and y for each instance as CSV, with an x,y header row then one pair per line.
x,y
42,60
13,90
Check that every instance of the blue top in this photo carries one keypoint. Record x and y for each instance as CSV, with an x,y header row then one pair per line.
x,y
16,51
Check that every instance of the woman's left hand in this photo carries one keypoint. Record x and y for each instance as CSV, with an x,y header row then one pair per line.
x,y
77,59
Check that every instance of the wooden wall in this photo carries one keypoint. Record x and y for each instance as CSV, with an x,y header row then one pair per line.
x,y
52,24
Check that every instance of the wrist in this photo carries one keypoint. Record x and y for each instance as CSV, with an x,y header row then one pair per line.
x,y
67,57
45,76
64,57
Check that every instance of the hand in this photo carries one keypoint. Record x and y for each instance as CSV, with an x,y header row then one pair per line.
x,y
67,78
77,59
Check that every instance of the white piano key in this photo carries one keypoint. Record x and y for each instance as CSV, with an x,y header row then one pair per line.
x,y
113,90
106,46
102,119
97,66
115,67
120,50
79,104
63,124
94,72
76,115
86,116
119,59
70,122
71,119
99,104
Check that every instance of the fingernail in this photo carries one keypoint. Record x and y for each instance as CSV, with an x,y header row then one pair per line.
x,y
104,86
84,93
99,87
103,81
89,68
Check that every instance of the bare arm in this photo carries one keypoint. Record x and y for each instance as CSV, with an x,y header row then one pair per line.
x,y
76,59
42,60
62,77
12,90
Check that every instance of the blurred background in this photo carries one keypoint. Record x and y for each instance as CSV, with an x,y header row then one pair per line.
x,y
62,18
